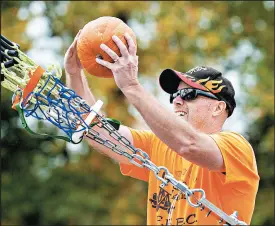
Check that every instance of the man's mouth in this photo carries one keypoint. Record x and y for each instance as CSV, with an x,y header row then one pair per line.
x,y
180,113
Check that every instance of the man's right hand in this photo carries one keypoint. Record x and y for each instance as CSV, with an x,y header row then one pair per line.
x,y
76,80
72,63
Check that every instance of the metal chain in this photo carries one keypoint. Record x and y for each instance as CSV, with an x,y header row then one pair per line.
x,y
141,159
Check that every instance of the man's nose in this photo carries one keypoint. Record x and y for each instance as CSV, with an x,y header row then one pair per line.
x,y
178,101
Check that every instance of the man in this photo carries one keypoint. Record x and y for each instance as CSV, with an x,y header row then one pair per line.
x,y
189,142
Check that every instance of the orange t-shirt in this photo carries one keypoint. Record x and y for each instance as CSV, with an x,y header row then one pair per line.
x,y
233,191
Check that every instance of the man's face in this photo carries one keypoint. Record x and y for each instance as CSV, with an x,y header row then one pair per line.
x,y
197,112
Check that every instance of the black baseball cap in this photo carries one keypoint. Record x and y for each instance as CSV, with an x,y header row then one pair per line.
x,y
201,77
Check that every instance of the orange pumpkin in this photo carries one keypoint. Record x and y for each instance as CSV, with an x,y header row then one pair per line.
x,y
95,33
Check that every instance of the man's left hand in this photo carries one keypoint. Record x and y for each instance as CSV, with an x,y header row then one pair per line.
x,y
124,68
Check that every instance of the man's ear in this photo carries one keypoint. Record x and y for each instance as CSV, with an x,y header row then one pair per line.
x,y
220,108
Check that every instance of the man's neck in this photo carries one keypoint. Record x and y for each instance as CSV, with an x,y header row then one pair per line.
x,y
210,129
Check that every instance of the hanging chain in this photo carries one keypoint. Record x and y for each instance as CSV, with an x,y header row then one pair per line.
x,y
141,159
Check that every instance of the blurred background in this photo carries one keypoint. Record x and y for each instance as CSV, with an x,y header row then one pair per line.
x,y
51,182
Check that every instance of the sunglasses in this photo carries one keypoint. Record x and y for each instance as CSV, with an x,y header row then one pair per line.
x,y
191,94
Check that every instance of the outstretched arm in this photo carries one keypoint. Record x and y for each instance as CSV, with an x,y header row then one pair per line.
x,y
178,134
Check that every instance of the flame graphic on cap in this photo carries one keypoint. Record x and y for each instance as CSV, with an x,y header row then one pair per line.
x,y
213,86
209,85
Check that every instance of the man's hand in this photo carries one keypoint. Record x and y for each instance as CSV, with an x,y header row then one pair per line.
x,y
72,64
75,77
124,68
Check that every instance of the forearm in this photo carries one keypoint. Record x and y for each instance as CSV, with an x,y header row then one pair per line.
x,y
176,133
123,131
79,84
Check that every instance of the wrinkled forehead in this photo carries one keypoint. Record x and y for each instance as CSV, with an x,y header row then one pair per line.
x,y
183,85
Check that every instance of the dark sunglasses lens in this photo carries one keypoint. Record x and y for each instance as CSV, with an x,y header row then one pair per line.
x,y
191,95
184,94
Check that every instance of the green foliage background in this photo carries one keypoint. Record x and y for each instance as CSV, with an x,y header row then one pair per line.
x,y
44,183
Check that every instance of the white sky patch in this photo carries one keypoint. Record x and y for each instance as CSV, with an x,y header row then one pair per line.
x,y
236,24
144,32
23,13
53,43
44,57
250,80
245,47
62,8
201,42
204,22
154,9
269,5
37,8
240,53
234,78
257,56
237,121
38,27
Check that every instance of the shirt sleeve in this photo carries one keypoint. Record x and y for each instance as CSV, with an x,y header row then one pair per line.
x,y
142,140
238,156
